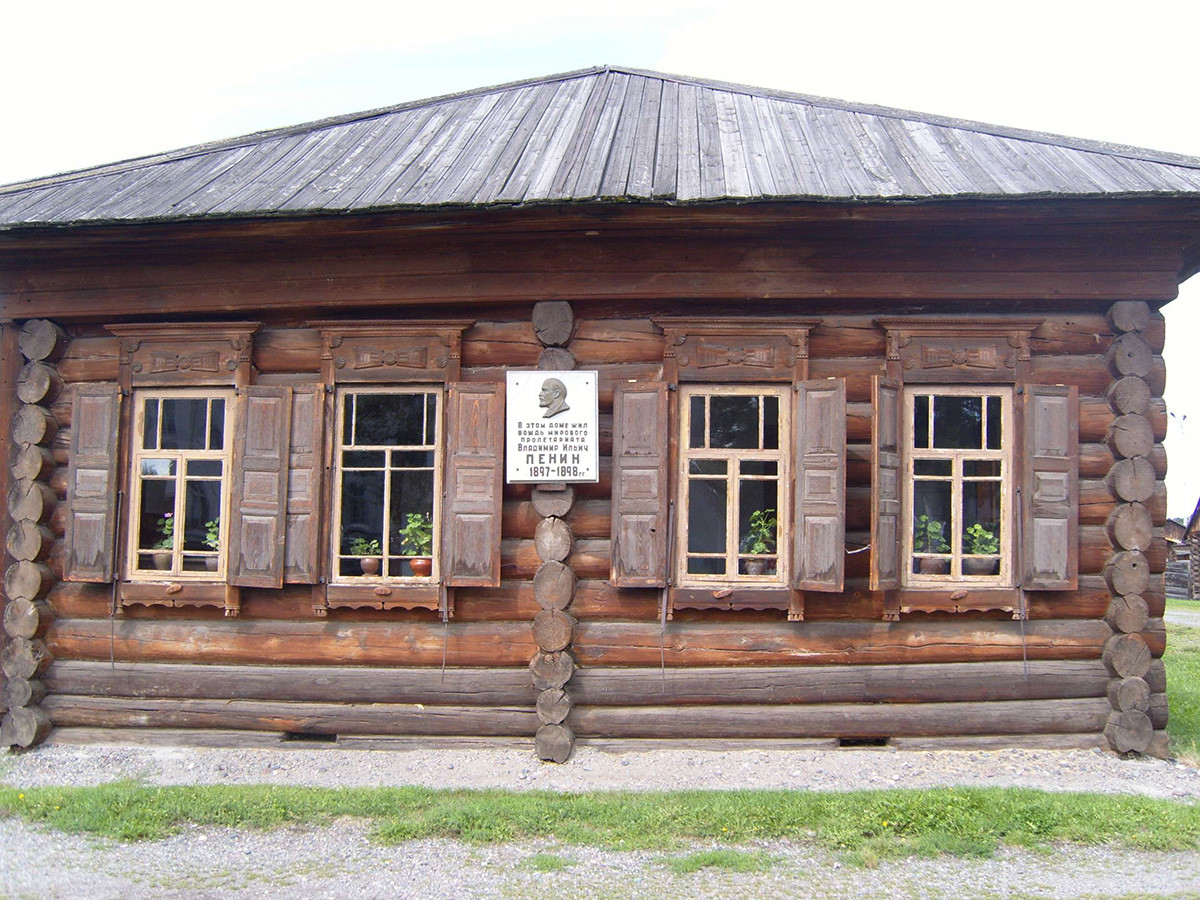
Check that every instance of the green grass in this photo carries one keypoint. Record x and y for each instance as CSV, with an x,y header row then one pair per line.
x,y
959,821
546,862
1182,660
733,860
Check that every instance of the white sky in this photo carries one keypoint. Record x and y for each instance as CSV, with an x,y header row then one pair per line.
x,y
86,83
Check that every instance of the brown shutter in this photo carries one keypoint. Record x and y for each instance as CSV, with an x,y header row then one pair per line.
x,y
639,485
819,542
886,454
474,484
1050,490
258,521
302,554
92,483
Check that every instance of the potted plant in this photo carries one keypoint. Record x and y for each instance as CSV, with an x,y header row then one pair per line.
x,y
760,541
164,549
212,540
929,537
980,541
370,551
416,538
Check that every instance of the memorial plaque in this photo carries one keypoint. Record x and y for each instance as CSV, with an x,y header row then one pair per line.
x,y
552,430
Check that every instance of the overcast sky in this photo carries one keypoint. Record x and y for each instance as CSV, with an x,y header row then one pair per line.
x,y
87,83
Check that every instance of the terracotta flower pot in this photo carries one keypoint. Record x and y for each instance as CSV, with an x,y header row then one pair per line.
x,y
422,566
162,559
370,565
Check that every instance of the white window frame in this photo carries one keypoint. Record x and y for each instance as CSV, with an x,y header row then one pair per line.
x,y
782,455
181,457
1005,455
438,448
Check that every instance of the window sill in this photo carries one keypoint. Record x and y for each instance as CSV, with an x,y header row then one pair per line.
x,y
381,596
734,598
953,599
176,594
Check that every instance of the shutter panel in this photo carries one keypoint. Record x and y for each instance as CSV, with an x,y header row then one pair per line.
x,y
474,485
258,522
1050,495
819,542
639,485
92,483
302,555
886,457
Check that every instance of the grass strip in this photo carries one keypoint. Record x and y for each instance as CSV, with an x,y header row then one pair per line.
x,y
1182,660
732,860
958,821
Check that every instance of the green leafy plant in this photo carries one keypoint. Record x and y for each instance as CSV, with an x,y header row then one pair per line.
x,y
763,527
929,536
363,547
981,541
212,534
166,526
416,537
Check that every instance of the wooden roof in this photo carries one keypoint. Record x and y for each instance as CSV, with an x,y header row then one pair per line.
x,y
604,134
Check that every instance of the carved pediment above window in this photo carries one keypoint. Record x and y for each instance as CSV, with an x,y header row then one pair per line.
x,y
389,350
185,353
966,350
736,349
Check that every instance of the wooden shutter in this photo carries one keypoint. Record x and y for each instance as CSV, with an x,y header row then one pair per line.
x,y
1050,490
474,485
640,485
92,483
302,553
819,451
258,523
886,508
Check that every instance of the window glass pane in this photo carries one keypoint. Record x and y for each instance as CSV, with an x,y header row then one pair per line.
x,y
981,517
431,419
348,419
156,518
995,422
921,421
364,459
362,509
390,419
707,467
184,420
957,422
412,459
706,516
932,467
734,422
150,426
931,516
201,506
770,422
203,468
161,467
696,424
758,528
412,494
705,566
759,467
981,468
216,425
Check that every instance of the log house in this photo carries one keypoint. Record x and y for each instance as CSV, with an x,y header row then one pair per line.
x,y
880,426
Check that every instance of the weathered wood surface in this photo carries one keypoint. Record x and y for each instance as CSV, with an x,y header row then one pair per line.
x,y
556,359
554,743
553,630
1127,614
31,500
1128,395
38,383
27,540
553,539
554,585
844,720
1129,731
551,670
24,657
553,705
20,691
308,718
1126,655
553,322
26,580
1129,693
1130,527
1083,741
34,424
1132,480
29,461
24,726
1127,572
26,618
1130,436
547,503
41,339
1130,315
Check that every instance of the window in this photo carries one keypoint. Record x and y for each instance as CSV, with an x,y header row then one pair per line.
x,y
733,459
958,478
180,481
388,485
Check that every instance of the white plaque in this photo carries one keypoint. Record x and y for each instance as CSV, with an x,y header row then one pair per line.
x,y
552,427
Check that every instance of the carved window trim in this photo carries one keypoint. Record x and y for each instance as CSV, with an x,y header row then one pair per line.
x,y
959,351
384,351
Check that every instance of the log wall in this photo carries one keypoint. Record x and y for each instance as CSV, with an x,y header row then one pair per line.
x,y
843,672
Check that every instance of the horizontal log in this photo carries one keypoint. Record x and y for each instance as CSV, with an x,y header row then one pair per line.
x,y
852,721
31,462
18,691
520,559
41,339
38,382
1129,315
303,718
554,743
1090,373
34,424
24,726
396,642
340,684
975,743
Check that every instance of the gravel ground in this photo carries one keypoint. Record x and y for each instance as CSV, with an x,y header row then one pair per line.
x,y
340,861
